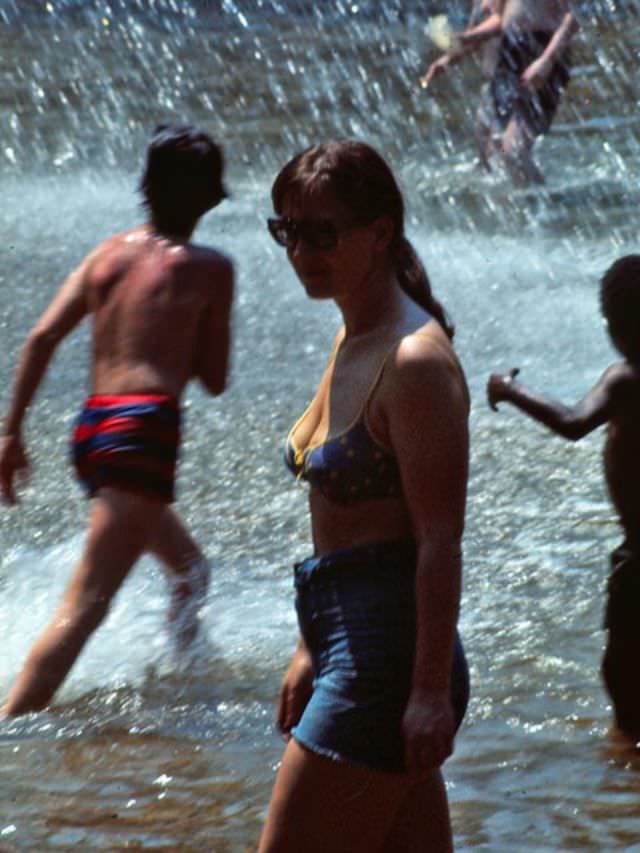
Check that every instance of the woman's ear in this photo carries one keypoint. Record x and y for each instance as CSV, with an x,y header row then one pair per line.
x,y
384,231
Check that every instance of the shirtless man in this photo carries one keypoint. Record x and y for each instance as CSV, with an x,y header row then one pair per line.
x,y
531,72
614,400
160,308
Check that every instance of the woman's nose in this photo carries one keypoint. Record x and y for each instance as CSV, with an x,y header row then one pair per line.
x,y
300,247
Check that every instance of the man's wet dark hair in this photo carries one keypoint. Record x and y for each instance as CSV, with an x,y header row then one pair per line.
x,y
182,179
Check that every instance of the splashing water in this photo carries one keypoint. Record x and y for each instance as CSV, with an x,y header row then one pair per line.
x,y
140,751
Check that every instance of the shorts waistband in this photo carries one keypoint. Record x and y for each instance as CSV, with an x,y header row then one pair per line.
x,y
392,556
105,400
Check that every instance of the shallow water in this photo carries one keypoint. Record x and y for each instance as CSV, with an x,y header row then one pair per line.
x,y
139,753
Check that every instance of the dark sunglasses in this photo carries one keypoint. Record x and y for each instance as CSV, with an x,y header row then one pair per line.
x,y
316,233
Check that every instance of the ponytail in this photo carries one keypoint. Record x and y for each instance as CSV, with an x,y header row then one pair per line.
x,y
413,279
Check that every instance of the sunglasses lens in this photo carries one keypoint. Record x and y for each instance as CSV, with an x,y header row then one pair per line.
x,y
283,232
322,234
316,233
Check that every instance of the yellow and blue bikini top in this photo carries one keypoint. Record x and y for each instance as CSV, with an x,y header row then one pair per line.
x,y
351,467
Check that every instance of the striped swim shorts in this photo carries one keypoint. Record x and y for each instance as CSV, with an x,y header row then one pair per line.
x,y
128,441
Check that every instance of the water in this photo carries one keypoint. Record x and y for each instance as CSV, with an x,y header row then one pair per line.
x,y
139,754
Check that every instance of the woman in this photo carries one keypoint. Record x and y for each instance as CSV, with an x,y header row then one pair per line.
x,y
378,684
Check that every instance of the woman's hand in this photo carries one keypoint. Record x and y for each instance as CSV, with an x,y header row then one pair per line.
x,y
428,726
498,387
296,690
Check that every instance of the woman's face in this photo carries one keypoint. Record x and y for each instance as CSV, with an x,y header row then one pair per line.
x,y
331,254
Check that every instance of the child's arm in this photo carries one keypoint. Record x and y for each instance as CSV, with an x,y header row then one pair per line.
x,y
572,422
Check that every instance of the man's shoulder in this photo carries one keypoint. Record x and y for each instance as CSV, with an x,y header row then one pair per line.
x,y
109,253
210,256
211,263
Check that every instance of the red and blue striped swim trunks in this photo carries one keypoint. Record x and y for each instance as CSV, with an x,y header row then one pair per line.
x,y
128,441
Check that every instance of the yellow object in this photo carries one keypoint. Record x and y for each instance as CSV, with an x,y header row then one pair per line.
x,y
440,32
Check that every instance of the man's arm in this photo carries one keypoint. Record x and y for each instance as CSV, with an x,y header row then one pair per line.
x,y
572,422
536,74
214,335
65,311
469,40
487,29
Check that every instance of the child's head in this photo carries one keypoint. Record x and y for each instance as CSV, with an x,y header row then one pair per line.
x,y
620,302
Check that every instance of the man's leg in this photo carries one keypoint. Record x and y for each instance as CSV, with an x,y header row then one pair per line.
x,y
517,152
120,527
188,572
484,128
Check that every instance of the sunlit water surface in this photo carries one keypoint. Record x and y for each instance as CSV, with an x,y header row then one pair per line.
x,y
140,753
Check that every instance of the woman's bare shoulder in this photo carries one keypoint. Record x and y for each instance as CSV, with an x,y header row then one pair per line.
x,y
427,356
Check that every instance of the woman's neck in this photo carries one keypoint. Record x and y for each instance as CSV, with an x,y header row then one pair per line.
x,y
379,302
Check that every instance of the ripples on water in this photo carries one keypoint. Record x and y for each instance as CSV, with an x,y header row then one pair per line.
x,y
141,754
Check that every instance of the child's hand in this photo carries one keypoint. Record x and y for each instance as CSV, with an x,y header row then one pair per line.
x,y
498,387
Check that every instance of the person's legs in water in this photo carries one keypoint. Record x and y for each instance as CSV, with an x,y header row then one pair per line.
x,y
187,571
319,804
517,152
484,129
120,527
619,662
131,441
422,822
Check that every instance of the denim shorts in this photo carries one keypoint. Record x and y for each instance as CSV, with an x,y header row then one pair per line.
x,y
357,614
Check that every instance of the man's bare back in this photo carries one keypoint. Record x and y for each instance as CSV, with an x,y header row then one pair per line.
x,y
161,311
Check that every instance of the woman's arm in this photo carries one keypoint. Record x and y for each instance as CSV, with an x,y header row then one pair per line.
x,y
427,413
296,689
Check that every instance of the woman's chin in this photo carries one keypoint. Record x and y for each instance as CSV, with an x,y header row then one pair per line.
x,y
317,288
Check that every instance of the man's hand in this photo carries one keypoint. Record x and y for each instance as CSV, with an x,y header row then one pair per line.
x,y
435,69
535,75
428,726
498,387
13,460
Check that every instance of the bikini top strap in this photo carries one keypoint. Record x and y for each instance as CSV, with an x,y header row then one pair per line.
x,y
441,346
332,357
